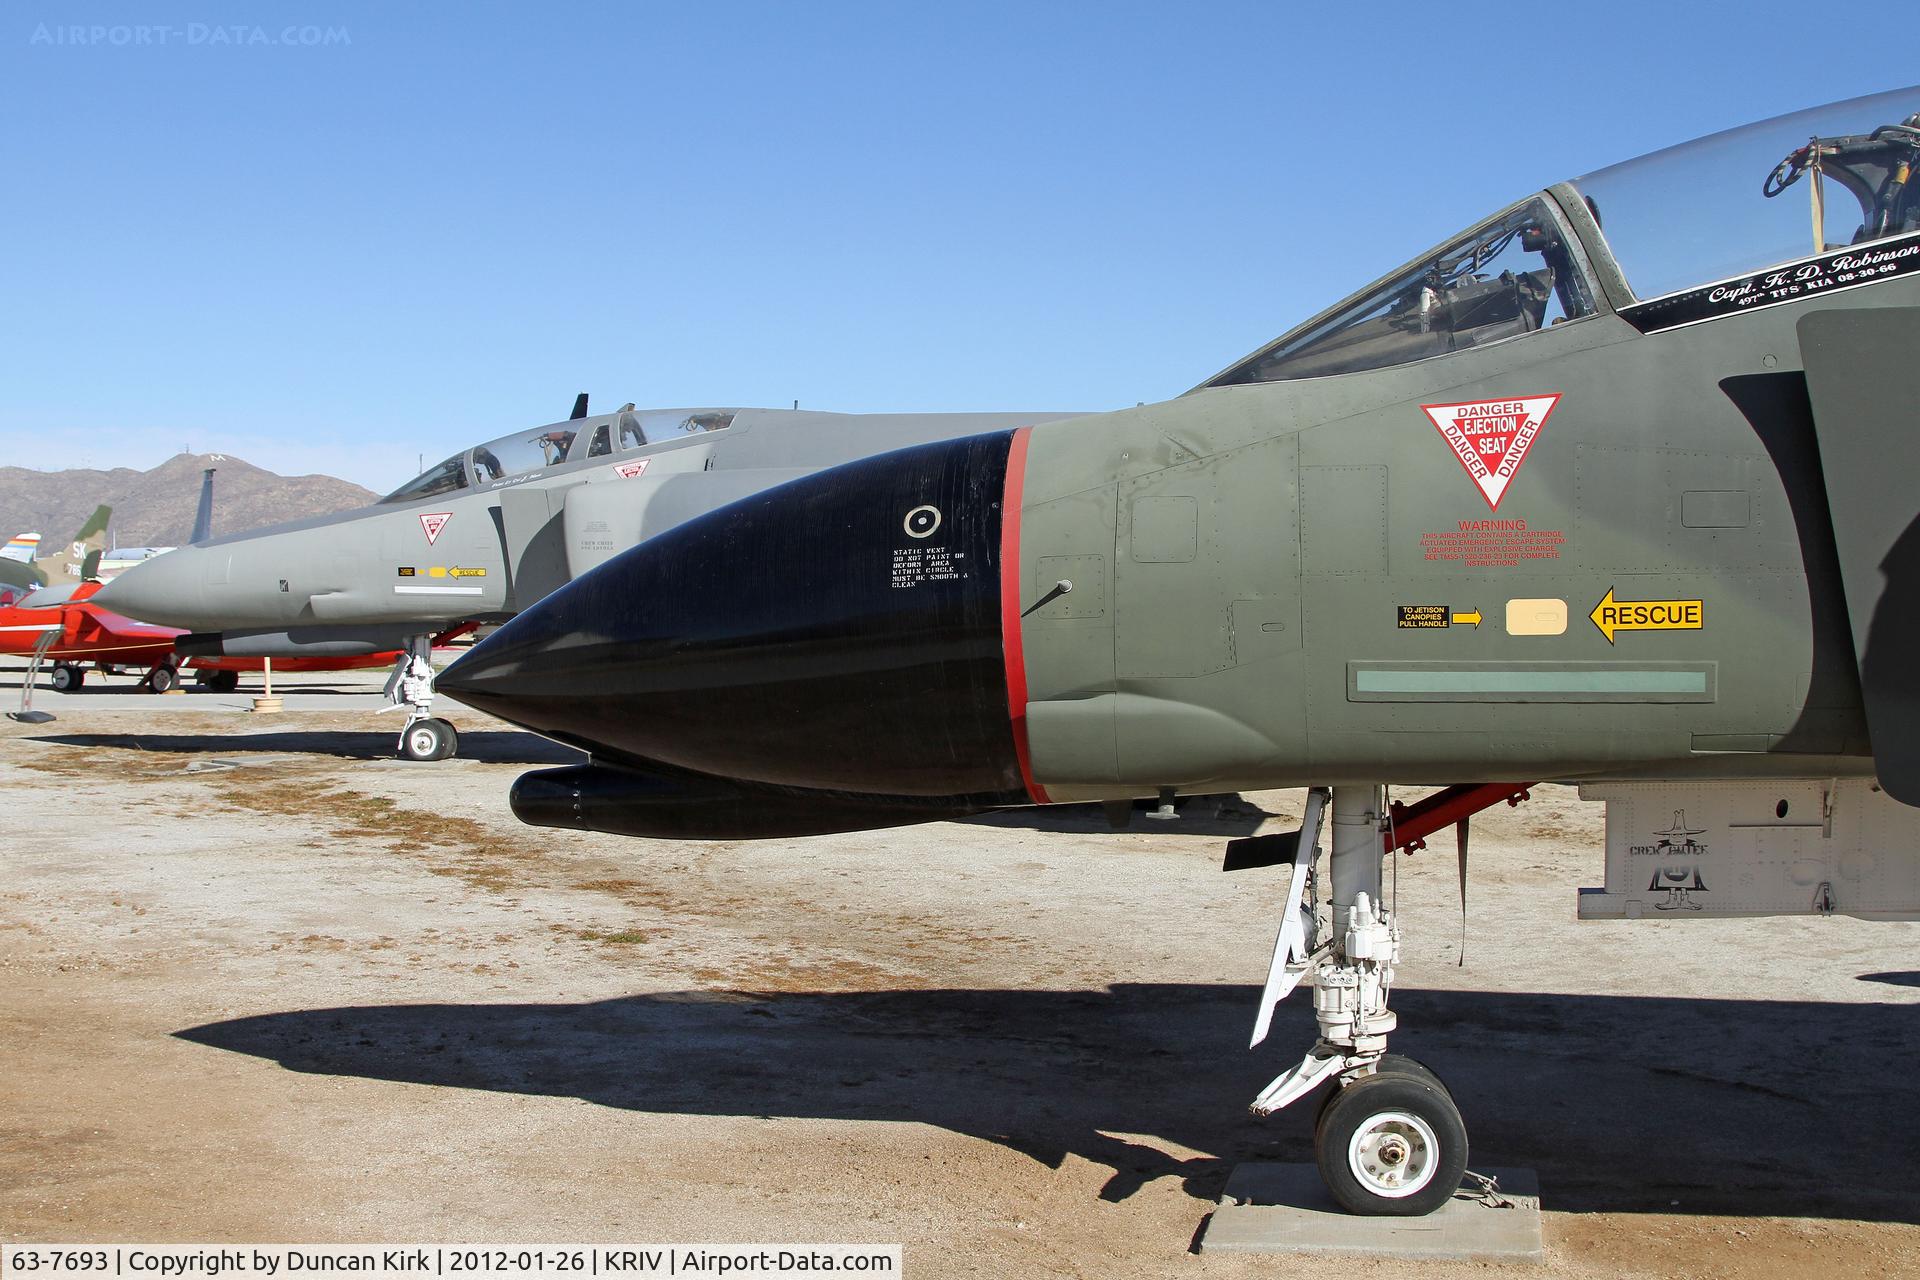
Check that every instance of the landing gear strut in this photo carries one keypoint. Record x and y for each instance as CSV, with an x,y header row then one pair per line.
x,y
424,736
1389,1139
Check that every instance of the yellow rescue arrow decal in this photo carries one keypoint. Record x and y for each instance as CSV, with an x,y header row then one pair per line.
x,y
1470,618
1612,615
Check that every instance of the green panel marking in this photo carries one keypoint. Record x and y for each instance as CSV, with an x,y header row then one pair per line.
x,y
1530,682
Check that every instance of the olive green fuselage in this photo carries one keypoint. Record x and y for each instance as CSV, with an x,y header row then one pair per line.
x,y
1241,558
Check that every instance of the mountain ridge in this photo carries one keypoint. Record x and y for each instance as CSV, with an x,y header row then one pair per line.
x,y
155,507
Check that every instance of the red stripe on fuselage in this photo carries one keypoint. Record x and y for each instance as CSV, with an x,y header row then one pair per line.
x,y
1010,642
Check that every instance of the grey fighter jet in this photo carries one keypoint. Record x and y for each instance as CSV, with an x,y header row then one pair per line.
x,y
489,531
1616,487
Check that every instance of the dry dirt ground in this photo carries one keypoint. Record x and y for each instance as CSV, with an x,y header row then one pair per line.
x,y
260,982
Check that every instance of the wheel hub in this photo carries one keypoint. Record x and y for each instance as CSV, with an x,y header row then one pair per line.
x,y
1394,1154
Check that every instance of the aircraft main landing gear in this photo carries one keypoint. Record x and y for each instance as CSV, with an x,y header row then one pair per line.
x,y
1389,1139
424,736
67,678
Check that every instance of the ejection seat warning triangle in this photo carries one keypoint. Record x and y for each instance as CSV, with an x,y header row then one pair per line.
x,y
432,523
1491,437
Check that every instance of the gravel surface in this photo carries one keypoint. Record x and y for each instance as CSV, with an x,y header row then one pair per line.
x,y
263,982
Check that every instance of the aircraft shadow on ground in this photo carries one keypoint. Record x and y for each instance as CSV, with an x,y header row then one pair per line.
x,y
490,746
1623,1103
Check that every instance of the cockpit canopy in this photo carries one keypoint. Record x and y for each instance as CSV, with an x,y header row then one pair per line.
x,y
525,452
1727,204
1508,276
1691,215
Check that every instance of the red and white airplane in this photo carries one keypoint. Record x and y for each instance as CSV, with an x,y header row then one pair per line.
x,y
48,615
79,634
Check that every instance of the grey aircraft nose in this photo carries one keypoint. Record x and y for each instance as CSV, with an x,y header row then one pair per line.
x,y
169,589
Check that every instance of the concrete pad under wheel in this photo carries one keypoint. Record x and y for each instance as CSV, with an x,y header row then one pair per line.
x,y
1285,1208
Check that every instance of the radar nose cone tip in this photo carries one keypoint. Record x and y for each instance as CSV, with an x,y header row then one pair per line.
x,y
492,672
529,674
144,589
472,672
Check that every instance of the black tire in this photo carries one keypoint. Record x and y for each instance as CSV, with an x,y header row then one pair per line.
x,y
1401,1064
161,679
1389,1064
1391,1145
218,681
67,678
433,739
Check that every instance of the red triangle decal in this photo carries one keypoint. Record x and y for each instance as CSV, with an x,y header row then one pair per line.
x,y
1491,438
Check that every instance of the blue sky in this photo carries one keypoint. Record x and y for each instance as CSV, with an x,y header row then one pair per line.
x,y
337,236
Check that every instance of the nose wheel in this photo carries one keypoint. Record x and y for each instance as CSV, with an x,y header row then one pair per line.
x,y
430,739
1391,1144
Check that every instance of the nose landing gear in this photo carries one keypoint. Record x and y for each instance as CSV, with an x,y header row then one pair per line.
x,y
1389,1139
424,736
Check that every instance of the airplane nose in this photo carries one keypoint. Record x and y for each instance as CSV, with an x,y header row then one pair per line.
x,y
839,633
166,589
